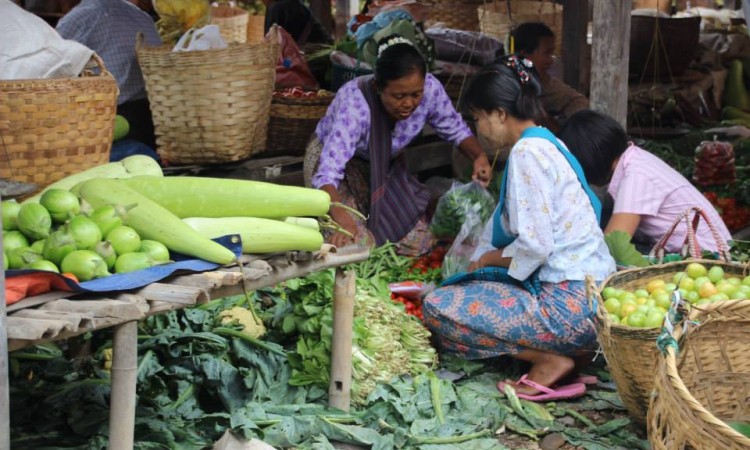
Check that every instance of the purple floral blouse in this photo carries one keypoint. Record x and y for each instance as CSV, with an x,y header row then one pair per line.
x,y
345,129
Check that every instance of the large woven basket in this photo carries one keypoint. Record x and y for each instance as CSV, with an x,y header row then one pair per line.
x,y
631,352
256,26
52,128
342,75
210,106
707,384
496,19
293,121
232,22
456,14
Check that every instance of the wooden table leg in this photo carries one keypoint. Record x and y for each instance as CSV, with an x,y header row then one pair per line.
x,y
341,348
124,382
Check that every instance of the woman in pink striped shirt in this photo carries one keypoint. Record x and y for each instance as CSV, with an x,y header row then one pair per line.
x,y
648,194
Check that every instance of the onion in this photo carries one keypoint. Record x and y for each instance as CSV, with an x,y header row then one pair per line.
x,y
85,265
10,212
85,232
105,250
45,265
13,240
124,240
130,262
20,258
34,221
61,204
156,250
58,245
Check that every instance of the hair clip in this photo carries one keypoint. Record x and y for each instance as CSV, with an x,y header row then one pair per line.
x,y
520,65
391,42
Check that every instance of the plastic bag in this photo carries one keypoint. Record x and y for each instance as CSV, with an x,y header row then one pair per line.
x,y
206,38
292,69
714,164
458,258
176,17
461,201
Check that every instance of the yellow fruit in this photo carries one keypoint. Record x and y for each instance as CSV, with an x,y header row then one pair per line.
x,y
627,309
695,270
707,290
654,285
641,301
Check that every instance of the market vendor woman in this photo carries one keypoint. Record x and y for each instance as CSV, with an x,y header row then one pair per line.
x,y
358,148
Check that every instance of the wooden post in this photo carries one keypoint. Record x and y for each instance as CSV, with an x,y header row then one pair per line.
x,y
321,9
124,382
339,389
610,58
345,10
4,387
575,24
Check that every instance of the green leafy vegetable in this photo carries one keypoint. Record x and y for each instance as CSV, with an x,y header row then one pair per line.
x,y
623,251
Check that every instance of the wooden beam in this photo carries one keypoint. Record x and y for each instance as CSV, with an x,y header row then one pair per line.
x,y
610,58
321,9
345,10
575,26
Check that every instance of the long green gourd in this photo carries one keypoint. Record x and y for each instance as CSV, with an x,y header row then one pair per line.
x,y
153,221
219,197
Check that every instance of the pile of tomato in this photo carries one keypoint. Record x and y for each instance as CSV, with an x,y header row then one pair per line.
x,y
413,305
735,216
297,92
430,261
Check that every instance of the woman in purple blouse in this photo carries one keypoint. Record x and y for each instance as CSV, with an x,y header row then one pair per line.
x,y
360,144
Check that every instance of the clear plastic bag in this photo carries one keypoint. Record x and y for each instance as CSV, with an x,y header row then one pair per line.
x,y
457,204
458,258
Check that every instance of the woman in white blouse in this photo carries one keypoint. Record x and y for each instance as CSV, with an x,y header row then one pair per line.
x,y
524,295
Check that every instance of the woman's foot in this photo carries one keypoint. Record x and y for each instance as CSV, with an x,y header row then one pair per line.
x,y
547,369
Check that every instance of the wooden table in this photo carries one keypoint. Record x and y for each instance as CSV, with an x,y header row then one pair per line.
x,y
60,315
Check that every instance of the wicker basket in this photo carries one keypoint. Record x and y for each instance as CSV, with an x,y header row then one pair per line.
x,y
495,20
210,106
342,75
293,121
459,15
631,352
707,383
256,26
232,22
52,128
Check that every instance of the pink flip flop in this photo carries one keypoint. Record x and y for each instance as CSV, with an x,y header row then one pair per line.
x,y
548,394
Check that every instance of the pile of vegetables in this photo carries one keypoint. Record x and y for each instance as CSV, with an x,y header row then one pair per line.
x,y
296,92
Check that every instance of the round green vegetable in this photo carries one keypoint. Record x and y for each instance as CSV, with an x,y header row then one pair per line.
x,y
108,254
130,262
10,212
34,221
156,250
14,239
107,218
20,258
85,232
124,240
61,204
45,265
5,261
38,246
85,265
122,128
58,245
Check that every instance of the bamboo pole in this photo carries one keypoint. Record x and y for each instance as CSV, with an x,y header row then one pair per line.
x,y
124,381
4,389
339,390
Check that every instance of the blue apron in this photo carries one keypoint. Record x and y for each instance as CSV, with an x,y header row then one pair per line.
x,y
501,238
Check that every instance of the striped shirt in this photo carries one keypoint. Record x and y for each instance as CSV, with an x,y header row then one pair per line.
x,y
644,184
109,28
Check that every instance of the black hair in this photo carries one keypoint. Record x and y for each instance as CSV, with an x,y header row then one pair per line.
x,y
498,86
397,61
526,36
596,140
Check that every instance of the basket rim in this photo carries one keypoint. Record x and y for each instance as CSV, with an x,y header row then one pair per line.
x,y
84,76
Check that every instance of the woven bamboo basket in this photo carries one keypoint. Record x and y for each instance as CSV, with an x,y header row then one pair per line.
x,y
292,123
210,106
707,384
256,26
342,75
631,352
496,20
232,22
456,14
52,128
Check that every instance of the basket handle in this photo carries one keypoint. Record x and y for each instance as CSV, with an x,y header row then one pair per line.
x,y
690,246
96,62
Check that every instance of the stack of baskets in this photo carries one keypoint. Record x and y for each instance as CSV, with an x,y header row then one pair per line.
x,y
497,18
293,121
707,384
210,106
232,22
456,14
631,353
53,128
256,26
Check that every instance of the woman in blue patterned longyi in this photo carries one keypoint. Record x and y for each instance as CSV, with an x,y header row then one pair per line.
x,y
525,295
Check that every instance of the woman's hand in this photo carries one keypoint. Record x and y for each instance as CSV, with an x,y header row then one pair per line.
x,y
492,258
482,170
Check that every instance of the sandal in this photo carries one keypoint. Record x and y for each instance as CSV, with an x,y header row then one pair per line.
x,y
547,394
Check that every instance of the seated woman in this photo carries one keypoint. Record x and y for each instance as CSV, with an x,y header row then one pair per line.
x,y
648,194
358,148
525,294
535,41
